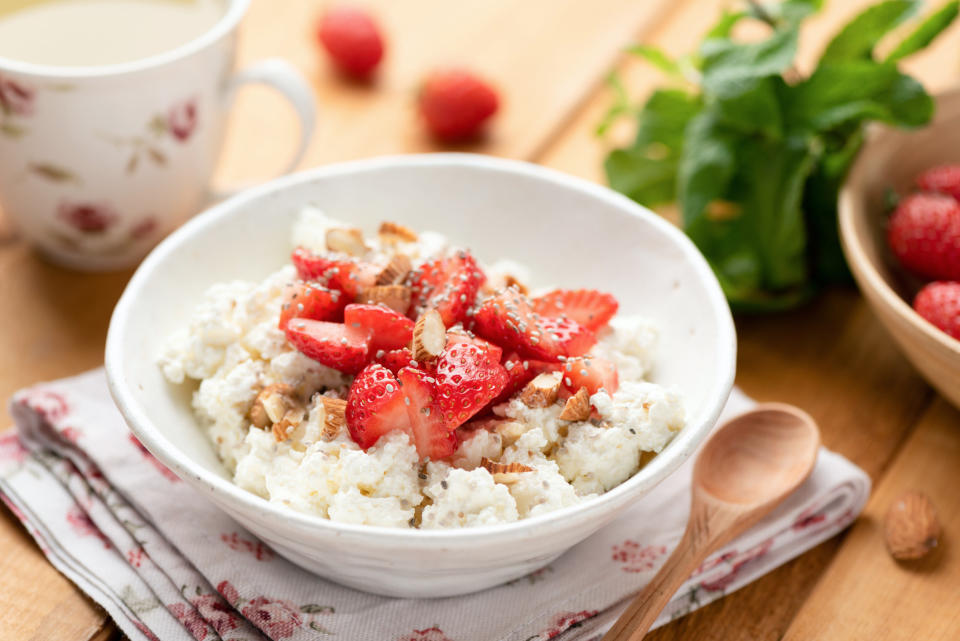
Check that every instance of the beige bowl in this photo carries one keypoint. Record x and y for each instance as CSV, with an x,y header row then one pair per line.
x,y
891,159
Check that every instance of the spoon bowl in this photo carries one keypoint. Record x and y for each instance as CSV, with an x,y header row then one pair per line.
x,y
759,456
747,468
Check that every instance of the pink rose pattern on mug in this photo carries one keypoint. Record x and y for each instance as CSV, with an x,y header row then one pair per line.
x,y
79,220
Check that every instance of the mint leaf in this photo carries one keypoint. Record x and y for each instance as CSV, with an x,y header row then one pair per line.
x,y
725,61
859,90
728,20
926,32
704,173
751,105
646,172
789,11
858,38
658,58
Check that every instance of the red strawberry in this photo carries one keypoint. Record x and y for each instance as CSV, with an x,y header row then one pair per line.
x,y
467,379
494,352
924,234
591,372
939,303
431,435
390,329
944,179
520,371
315,302
375,406
336,271
590,308
395,359
456,103
508,319
335,345
449,285
352,38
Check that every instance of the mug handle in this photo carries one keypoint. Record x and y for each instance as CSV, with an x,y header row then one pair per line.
x,y
284,77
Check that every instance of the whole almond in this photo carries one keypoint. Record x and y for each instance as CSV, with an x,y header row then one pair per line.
x,y
911,527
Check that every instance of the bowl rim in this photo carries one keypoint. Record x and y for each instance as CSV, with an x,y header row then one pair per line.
x,y
659,468
857,257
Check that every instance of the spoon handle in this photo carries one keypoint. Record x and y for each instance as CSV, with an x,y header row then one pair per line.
x,y
647,605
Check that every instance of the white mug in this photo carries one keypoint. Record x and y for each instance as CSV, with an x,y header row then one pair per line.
x,y
98,163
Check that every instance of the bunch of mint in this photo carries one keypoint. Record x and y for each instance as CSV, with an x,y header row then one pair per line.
x,y
754,154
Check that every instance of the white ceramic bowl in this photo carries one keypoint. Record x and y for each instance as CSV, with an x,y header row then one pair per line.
x,y
571,232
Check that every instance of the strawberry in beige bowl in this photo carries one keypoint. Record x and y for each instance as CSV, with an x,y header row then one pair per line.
x,y
418,376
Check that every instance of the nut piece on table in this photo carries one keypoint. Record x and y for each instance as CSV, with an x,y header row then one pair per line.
x,y
334,417
396,297
911,527
577,407
392,233
429,336
541,391
346,240
504,472
395,272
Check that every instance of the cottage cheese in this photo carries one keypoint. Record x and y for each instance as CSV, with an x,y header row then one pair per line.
x,y
232,349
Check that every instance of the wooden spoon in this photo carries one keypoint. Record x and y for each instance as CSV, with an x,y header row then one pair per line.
x,y
745,470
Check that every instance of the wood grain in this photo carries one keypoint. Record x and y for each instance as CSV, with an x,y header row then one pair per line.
x,y
866,594
36,602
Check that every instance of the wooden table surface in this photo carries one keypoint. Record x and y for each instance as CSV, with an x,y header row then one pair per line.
x,y
549,57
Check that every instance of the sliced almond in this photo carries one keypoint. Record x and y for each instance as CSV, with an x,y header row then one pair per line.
x,y
541,391
334,417
504,472
271,404
395,272
510,431
394,232
396,297
429,336
577,407
348,240
510,281
291,419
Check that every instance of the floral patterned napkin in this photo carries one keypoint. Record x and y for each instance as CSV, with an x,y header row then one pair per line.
x,y
167,565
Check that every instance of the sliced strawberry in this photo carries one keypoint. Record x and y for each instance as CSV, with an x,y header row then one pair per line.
x,y
520,371
467,379
313,301
336,271
463,336
507,319
433,438
590,308
591,372
335,345
395,359
449,285
390,329
375,406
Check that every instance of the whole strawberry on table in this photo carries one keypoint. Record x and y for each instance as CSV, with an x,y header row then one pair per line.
x,y
924,235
